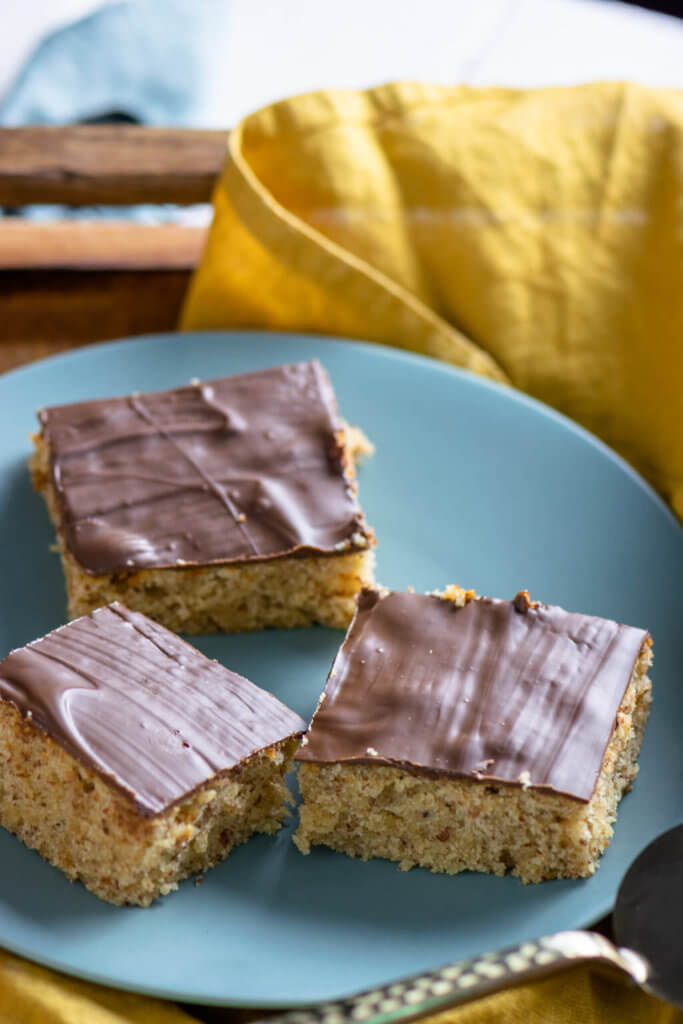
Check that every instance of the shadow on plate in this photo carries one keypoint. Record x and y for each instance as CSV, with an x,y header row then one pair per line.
x,y
334,892
32,572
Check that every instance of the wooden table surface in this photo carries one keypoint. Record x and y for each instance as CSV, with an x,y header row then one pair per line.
x,y
71,282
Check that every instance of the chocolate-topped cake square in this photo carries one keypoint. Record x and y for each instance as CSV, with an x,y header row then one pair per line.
x,y
131,761
224,506
461,732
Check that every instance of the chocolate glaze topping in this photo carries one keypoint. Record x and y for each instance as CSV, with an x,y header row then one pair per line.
x,y
136,704
492,690
243,468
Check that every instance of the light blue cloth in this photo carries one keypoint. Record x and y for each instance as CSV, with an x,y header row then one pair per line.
x,y
153,61
150,59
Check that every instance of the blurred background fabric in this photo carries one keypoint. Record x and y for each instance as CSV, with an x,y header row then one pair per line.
x,y
208,63
156,63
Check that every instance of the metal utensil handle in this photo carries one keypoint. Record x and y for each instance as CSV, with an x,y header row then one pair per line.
x,y
470,979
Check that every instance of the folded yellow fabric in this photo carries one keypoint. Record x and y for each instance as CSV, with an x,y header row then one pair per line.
x,y
534,236
30,994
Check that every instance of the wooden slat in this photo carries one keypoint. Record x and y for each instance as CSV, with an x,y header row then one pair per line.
x,y
47,311
95,245
81,165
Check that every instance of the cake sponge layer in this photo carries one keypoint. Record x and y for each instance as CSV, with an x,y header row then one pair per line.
x,y
129,760
458,732
89,831
452,825
227,505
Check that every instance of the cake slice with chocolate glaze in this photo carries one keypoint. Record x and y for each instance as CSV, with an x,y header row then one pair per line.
x,y
130,761
223,506
459,732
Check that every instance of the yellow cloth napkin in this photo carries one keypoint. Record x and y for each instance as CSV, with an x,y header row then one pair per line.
x,y
534,236
30,994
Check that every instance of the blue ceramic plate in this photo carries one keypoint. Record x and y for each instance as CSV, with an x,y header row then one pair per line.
x,y
472,484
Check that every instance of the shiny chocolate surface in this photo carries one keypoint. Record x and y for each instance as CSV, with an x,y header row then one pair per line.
x,y
136,704
243,468
506,691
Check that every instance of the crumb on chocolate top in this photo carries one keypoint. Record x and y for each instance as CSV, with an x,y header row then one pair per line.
x,y
509,691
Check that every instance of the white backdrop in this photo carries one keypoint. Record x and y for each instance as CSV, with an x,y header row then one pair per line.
x,y
274,48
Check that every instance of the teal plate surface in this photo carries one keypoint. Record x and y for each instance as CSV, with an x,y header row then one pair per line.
x,y
470,483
